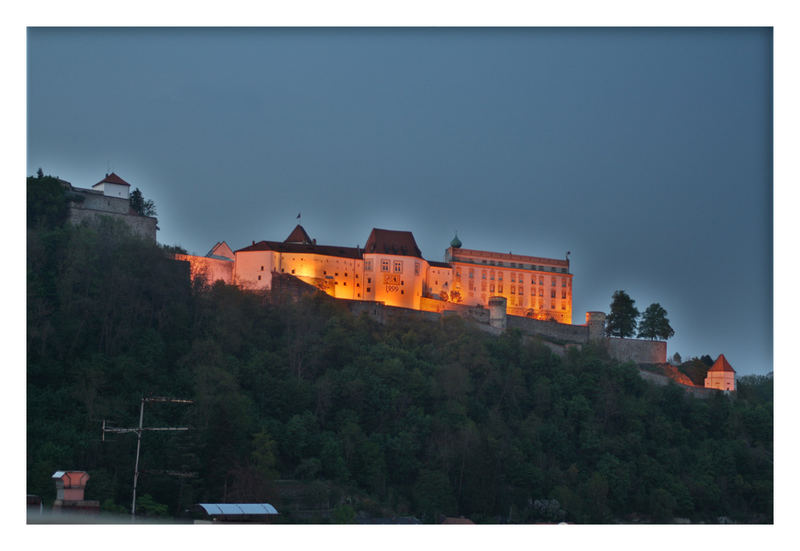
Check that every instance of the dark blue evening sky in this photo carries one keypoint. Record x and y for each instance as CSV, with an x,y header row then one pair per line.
x,y
647,153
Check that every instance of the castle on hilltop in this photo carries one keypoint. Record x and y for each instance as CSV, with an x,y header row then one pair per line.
x,y
390,269
388,277
110,197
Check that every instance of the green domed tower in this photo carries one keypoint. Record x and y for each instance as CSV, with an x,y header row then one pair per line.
x,y
456,242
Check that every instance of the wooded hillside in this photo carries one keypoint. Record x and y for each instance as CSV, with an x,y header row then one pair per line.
x,y
409,418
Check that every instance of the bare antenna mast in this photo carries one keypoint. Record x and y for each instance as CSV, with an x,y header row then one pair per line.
x,y
138,432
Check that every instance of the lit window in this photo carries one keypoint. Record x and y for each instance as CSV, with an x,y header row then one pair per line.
x,y
384,265
398,267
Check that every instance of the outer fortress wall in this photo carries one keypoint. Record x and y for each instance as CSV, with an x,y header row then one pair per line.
x,y
637,351
551,329
286,286
210,269
143,226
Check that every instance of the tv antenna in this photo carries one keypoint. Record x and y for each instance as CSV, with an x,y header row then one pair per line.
x,y
138,432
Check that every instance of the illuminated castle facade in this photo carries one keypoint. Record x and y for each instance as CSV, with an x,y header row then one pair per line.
x,y
390,269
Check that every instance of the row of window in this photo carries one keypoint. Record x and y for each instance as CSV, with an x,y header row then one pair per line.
x,y
520,265
396,266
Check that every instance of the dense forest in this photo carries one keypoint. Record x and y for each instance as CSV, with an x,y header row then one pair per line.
x,y
334,418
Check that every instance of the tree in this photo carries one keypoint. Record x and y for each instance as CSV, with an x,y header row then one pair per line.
x,y
654,324
621,321
140,205
46,202
676,359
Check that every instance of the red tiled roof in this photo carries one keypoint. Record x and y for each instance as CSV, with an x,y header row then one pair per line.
x,y
722,365
298,235
306,248
112,179
392,242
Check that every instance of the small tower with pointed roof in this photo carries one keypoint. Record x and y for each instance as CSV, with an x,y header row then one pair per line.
x,y
113,186
721,375
299,235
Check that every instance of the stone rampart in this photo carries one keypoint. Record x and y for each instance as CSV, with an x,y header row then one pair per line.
x,y
637,351
550,329
664,380
287,287
210,269
143,226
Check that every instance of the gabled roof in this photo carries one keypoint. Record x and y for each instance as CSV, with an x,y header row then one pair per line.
x,y
392,242
221,250
298,235
722,365
112,179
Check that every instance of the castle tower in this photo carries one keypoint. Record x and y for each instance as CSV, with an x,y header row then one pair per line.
x,y
596,322
113,186
721,375
497,312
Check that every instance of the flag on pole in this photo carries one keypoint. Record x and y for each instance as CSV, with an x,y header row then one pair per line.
x,y
298,215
